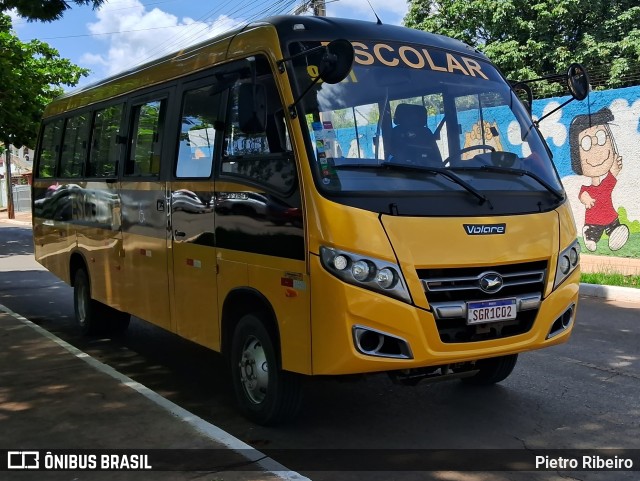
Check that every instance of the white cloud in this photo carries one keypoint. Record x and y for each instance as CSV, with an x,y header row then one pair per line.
x,y
514,134
551,127
146,34
16,19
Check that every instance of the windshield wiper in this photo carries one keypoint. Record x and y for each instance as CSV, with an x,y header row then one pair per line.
x,y
444,172
355,165
522,172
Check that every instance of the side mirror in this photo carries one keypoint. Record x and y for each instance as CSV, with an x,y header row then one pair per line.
x,y
333,67
337,61
578,81
252,108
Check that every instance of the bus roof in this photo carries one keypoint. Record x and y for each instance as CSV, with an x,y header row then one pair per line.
x,y
289,28
316,28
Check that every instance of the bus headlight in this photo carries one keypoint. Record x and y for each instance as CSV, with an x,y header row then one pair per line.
x,y
568,260
386,278
361,270
367,272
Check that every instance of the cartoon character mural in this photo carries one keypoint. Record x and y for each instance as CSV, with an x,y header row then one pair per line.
x,y
487,135
594,154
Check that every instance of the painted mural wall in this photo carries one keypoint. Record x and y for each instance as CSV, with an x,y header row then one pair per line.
x,y
596,149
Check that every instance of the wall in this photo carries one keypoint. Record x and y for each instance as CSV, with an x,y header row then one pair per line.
x,y
603,182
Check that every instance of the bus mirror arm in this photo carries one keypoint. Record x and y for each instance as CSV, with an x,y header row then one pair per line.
x,y
293,113
576,78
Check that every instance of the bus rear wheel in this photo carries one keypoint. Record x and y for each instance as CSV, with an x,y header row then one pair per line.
x,y
492,370
265,394
92,316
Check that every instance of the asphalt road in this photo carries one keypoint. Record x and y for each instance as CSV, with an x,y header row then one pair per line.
x,y
582,395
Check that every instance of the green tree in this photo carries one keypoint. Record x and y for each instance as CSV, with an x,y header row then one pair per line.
x,y
31,75
528,39
43,10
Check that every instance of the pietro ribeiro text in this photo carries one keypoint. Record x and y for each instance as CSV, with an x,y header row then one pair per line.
x,y
595,463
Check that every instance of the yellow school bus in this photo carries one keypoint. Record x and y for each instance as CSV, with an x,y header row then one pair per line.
x,y
312,196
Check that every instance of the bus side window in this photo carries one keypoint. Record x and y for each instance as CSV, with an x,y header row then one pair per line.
x,y
49,149
261,156
104,151
144,155
74,146
200,112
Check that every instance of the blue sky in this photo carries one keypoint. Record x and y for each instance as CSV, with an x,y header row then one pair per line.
x,y
124,33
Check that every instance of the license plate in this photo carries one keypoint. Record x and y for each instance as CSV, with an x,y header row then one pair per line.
x,y
491,311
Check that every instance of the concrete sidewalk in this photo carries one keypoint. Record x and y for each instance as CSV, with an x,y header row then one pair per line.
x,y
54,397
21,218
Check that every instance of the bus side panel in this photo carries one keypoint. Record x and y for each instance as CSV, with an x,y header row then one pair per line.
x,y
193,254
54,237
261,246
99,238
144,226
287,288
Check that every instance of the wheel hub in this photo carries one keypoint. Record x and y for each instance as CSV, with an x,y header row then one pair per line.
x,y
254,370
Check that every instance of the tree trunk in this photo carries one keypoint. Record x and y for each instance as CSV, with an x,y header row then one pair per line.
x,y
7,169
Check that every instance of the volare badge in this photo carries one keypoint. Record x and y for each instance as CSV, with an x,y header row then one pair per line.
x,y
485,229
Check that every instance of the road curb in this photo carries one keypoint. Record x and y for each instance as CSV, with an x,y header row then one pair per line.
x,y
205,428
610,293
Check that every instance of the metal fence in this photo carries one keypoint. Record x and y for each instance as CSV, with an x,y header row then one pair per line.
x,y
22,198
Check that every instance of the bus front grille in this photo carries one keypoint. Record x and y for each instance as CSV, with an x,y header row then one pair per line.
x,y
448,292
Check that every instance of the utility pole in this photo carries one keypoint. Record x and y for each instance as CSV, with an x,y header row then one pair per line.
x,y
7,175
319,8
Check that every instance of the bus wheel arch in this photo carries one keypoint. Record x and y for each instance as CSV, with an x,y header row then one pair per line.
x,y
92,316
264,393
76,262
243,301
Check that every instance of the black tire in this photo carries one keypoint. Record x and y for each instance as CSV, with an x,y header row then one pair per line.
x,y
94,317
492,370
265,394
87,310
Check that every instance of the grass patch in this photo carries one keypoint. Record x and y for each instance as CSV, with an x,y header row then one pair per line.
x,y
610,279
631,249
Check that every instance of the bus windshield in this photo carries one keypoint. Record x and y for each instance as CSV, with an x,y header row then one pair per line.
x,y
406,112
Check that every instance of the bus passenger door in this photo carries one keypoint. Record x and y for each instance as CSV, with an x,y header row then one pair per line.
x,y
192,216
144,216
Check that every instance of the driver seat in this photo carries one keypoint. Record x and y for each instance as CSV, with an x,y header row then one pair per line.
x,y
411,141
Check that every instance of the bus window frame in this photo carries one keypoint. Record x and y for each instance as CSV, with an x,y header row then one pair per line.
x,y
165,96
58,153
121,134
90,112
199,80
238,65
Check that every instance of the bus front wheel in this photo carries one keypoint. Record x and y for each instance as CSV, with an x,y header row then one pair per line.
x,y
492,370
265,394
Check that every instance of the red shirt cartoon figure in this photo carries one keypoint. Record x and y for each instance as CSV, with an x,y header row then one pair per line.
x,y
594,155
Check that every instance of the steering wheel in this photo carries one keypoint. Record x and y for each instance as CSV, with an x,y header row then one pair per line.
x,y
478,147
